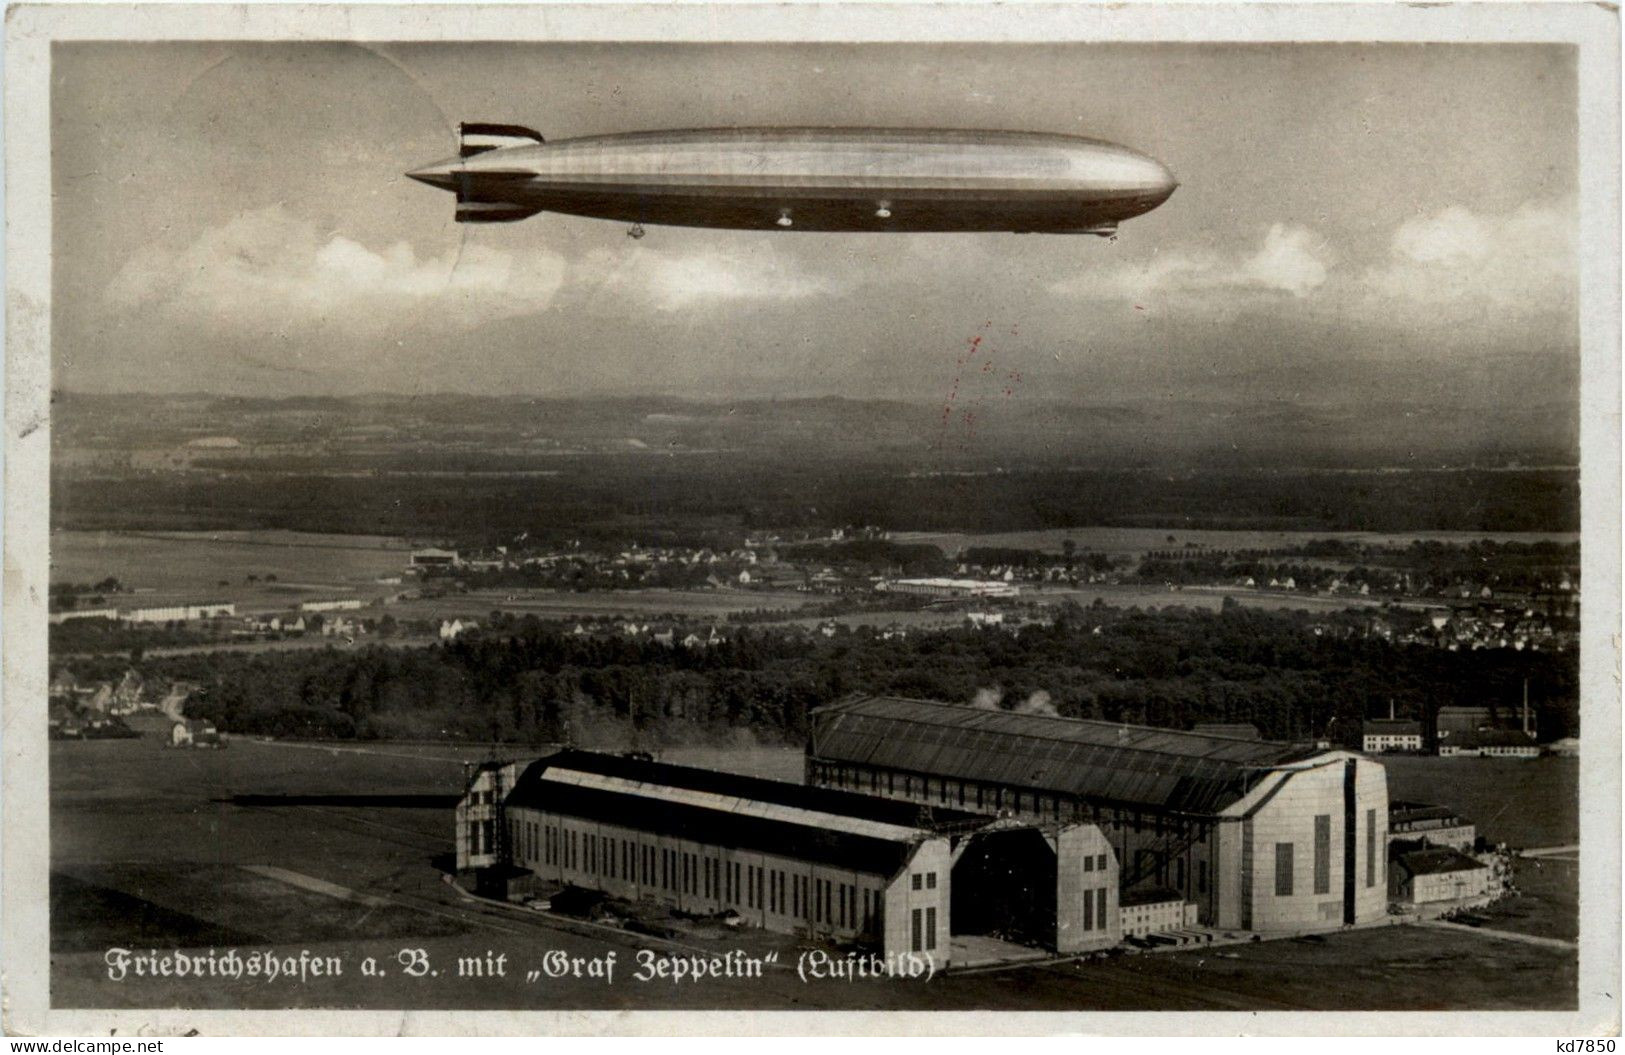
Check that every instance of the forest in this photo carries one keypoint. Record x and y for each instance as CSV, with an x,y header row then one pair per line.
x,y
1291,675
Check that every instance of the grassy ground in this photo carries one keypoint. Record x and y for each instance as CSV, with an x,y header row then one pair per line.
x,y
175,565
1548,903
1524,803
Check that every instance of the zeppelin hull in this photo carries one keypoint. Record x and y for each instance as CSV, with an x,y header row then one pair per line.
x,y
815,180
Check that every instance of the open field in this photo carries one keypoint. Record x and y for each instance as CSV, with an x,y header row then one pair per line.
x,y
334,848
1127,541
1548,901
562,604
1524,803
173,567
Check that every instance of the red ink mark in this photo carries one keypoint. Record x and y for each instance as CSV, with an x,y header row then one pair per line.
x,y
967,399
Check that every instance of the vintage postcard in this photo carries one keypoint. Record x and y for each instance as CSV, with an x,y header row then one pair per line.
x,y
911,518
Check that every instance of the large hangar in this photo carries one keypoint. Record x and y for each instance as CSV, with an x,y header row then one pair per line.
x,y
906,877
1261,836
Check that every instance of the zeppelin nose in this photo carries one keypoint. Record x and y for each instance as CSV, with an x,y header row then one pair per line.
x,y
442,174
1154,180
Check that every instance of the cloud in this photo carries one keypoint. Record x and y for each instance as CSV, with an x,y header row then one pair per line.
x,y
1523,260
1290,259
268,272
270,269
672,281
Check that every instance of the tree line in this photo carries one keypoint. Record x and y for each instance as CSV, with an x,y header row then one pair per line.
x,y
533,682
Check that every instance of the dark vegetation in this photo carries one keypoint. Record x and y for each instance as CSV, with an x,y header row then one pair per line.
x,y
705,501
530,682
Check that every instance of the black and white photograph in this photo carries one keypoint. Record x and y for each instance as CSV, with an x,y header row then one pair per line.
x,y
1088,511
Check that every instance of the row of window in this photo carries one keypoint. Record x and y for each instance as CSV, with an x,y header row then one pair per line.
x,y
1323,857
1094,909
774,890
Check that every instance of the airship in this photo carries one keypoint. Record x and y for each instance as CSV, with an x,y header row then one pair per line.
x,y
805,179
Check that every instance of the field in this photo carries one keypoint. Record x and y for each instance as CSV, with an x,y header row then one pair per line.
x,y
559,604
1128,541
1524,804
174,567
334,849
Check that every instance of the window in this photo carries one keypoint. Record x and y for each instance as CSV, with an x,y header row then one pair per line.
x,y
1283,869
1180,872
978,796
1088,910
916,926
1101,862
783,905
1370,848
1201,877
1100,907
961,792
1089,863
829,917
1323,853
930,880
930,928
917,880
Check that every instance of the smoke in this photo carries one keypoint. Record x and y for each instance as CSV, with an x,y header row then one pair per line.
x,y
987,699
1038,703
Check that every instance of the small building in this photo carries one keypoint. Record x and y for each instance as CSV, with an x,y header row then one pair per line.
x,y
1380,735
179,613
58,618
434,558
1156,910
949,587
341,604
1490,743
194,732
1424,877
1430,825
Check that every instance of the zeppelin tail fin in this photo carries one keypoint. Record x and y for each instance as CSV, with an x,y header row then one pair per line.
x,y
475,138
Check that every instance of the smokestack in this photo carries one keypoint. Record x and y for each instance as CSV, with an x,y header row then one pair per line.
x,y
1390,708
1526,731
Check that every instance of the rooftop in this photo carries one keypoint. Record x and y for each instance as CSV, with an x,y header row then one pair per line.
x,y
1126,765
1438,860
839,828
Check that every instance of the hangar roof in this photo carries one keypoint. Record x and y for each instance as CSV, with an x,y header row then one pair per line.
x,y
838,828
1131,766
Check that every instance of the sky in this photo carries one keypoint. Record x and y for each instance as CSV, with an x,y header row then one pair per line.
x,y
1355,223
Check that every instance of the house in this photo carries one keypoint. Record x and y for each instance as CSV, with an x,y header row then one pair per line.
x,y
1437,874
1429,825
1155,910
194,732
1378,735
451,630
1490,743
